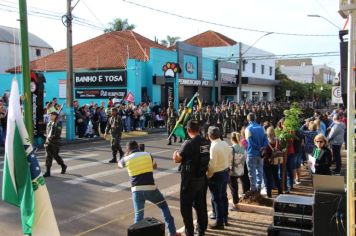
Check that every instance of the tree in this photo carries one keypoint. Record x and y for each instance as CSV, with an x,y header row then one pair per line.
x,y
170,41
119,24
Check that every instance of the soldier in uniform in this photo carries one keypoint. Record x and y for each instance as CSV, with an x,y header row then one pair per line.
x,y
115,125
208,120
53,131
198,115
226,113
172,117
218,120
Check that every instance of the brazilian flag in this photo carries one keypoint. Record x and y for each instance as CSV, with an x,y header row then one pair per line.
x,y
179,129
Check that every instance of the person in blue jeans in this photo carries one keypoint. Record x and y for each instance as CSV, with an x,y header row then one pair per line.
x,y
256,142
218,173
140,167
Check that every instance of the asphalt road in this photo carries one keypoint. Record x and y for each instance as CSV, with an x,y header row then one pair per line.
x,y
94,197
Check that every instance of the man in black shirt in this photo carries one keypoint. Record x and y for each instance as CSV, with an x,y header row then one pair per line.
x,y
194,158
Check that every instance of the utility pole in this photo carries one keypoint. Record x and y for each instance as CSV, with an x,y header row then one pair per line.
x,y
348,10
240,73
70,130
25,60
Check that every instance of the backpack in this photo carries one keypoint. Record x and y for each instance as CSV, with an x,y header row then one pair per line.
x,y
237,163
276,155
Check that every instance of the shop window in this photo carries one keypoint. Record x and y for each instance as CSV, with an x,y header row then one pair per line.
x,y
253,67
38,52
270,70
262,69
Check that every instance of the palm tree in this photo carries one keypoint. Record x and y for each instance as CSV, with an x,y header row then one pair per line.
x,y
119,24
169,41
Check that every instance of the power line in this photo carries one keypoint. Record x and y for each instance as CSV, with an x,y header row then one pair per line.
x,y
52,16
223,25
282,56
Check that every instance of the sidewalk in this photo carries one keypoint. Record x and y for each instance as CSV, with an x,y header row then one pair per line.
x,y
256,224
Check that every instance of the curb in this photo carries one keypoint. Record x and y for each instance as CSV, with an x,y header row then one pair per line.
x,y
255,209
133,134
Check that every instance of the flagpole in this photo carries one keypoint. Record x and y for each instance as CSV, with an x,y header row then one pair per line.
x,y
26,68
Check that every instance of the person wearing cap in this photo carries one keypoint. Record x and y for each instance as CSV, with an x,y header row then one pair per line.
x,y
194,158
52,143
115,126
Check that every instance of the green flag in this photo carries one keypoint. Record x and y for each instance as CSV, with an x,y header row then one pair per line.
x,y
23,183
179,129
17,183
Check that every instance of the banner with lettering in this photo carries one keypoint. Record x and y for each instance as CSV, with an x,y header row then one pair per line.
x,y
100,79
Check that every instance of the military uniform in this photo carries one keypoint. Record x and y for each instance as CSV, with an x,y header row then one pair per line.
x,y
115,126
226,114
172,117
52,144
208,121
218,121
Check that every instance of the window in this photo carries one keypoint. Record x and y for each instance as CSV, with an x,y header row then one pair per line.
x,y
253,67
262,69
270,70
243,66
38,52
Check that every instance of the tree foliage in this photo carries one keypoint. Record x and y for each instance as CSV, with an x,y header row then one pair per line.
x,y
290,125
300,91
119,24
169,41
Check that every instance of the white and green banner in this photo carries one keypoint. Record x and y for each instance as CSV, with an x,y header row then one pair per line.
x,y
23,183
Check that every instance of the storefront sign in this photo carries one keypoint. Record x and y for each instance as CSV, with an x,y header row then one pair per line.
x,y
190,82
189,67
100,79
170,69
99,93
228,79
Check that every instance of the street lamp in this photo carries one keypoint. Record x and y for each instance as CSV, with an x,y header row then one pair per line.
x,y
319,16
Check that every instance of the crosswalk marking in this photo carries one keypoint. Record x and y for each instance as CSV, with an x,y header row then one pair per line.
x,y
166,192
81,166
105,173
125,185
93,176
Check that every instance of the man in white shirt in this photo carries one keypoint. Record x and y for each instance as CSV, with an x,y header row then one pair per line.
x,y
220,157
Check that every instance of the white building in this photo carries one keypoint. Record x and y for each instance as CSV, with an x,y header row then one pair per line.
x,y
10,48
258,76
303,71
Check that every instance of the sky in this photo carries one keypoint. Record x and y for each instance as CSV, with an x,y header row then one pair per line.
x,y
288,16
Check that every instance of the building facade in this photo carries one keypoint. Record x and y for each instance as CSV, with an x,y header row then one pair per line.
x,y
10,48
117,63
304,71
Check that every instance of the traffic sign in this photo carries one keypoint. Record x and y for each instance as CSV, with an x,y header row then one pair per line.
x,y
336,95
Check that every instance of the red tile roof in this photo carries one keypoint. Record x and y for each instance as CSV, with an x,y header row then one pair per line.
x,y
107,51
210,39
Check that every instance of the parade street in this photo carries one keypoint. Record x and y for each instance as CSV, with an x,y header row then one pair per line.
x,y
94,193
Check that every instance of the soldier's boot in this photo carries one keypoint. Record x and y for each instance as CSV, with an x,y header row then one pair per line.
x,y
169,142
175,138
121,154
64,168
180,140
48,172
113,160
